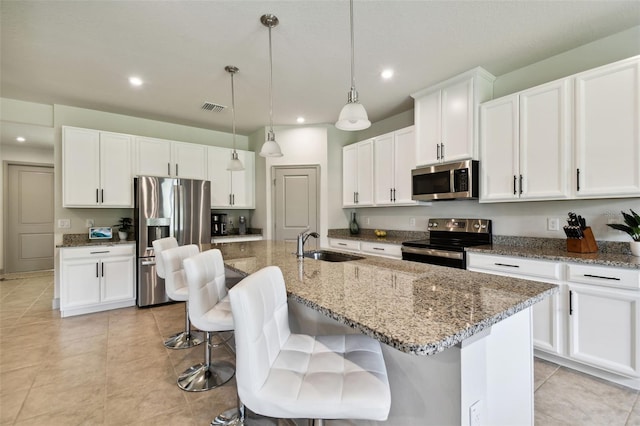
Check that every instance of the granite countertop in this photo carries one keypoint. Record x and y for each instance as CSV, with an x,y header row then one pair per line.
x,y
82,240
392,237
559,255
414,307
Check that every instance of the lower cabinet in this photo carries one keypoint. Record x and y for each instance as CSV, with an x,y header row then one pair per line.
x,y
367,247
96,278
593,319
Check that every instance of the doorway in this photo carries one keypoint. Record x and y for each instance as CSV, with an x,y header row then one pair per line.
x,y
295,201
29,243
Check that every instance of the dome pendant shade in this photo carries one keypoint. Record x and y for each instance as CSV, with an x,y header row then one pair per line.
x,y
234,165
353,116
271,148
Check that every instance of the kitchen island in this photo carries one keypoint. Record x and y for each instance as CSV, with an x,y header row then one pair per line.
x,y
455,342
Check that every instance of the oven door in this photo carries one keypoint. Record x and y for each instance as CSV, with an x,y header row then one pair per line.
x,y
453,259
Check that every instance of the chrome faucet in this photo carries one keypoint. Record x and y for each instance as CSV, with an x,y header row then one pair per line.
x,y
302,238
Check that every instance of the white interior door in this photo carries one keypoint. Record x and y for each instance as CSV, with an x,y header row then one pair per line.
x,y
295,201
29,244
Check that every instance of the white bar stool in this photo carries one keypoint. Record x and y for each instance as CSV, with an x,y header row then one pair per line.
x,y
285,375
210,311
176,287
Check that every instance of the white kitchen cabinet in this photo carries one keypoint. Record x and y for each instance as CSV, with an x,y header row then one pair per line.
x,y
525,145
96,278
160,157
357,174
96,168
446,117
231,190
607,134
367,247
548,314
394,158
604,325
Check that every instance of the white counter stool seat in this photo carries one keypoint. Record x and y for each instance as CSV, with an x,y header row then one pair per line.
x,y
176,288
286,375
210,311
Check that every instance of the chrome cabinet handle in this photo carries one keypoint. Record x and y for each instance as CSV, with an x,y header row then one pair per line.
x,y
99,252
437,151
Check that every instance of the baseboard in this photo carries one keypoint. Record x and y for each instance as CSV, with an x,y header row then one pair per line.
x,y
55,303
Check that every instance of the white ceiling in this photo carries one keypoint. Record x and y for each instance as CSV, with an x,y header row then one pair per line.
x,y
80,53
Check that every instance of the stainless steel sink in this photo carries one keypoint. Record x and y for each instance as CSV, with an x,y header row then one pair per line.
x,y
330,256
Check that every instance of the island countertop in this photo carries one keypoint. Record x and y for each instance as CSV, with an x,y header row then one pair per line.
x,y
414,307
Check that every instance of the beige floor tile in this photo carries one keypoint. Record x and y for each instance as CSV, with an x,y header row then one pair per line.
x,y
577,399
205,406
125,376
80,345
122,350
83,370
634,416
541,419
17,380
542,371
22,356
10,405
179,417
60,399
76,418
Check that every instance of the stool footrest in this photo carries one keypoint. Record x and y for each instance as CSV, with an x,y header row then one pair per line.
x,y
203,377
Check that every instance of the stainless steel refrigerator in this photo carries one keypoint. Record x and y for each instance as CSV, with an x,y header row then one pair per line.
x,y
167,207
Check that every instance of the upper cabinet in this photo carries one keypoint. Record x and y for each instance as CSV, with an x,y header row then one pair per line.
x,y
533,148
357,174
231,190
393,161
96,168
524,145
446,117
160,157
607,132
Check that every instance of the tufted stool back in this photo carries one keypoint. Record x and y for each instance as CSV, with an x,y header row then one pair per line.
x,y
158,247
175,280
286,375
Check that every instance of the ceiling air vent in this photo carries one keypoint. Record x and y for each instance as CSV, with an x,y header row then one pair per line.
x,y
210,106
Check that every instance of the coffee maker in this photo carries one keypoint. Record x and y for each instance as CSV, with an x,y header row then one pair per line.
x,y
218,224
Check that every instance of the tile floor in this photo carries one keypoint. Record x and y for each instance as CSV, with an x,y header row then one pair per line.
x,y
96,370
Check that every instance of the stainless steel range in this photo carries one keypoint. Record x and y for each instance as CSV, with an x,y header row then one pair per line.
x,y
447,240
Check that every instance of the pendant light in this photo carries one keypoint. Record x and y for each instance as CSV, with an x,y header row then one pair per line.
x,y
235,164
270,148
353,116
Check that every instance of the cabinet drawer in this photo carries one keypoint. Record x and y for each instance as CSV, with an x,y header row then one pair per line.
x,y
97,251
345,244
382,249
515,266
599,275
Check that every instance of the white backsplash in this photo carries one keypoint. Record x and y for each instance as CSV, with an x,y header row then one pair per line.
x,y
518,219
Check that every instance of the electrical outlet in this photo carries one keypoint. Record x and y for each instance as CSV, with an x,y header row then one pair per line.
x,y
475,419
553,224
89,223
367,220
64,223
412,221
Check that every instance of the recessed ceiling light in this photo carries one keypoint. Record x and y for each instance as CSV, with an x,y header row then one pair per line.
x,y
387,74
20,139
300,120
135,81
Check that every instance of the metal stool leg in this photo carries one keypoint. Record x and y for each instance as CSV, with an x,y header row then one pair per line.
x,y
207,375
187,338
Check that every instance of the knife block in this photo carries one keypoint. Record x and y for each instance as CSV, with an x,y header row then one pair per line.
x,y
587,244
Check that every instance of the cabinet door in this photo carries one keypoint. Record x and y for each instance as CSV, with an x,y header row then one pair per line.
x,y
364,193
604,328
189,161
499,150
80,283
457,122
243,182
80,167
404,160
153,157
116,178
219,176
428,120
547,325
607,135
384,169
117,279
349,175
544,141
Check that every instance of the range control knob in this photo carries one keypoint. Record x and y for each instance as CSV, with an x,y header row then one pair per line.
x,y
477,226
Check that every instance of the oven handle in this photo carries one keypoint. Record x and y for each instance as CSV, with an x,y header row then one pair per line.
x,y
434,252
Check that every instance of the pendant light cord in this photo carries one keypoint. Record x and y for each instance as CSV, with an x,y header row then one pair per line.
x,y
233,115
270,83
353,74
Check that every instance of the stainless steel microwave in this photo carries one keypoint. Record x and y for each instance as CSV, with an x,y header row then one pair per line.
x,y
448,181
